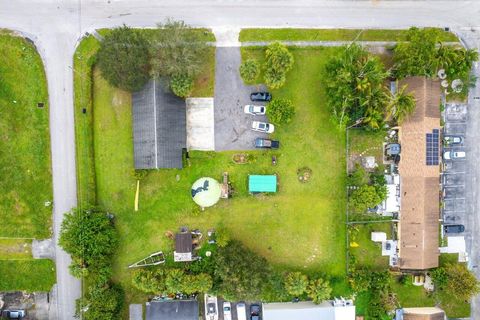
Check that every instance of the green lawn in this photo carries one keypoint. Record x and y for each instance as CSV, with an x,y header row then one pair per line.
x,y
366,252
288,34
27,275
365,143
15,249
25,177
302,227
84,60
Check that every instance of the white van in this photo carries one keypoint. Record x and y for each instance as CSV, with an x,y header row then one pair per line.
x,y
241,311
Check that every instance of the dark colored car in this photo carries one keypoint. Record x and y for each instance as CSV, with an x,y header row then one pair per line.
x,y
260,96
266,143
255,312
454,228
13,314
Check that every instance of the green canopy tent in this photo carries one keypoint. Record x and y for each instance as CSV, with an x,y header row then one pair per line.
x,y
206,192
262,183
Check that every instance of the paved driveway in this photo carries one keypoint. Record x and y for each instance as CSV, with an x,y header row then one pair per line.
x,y
453,178
232,125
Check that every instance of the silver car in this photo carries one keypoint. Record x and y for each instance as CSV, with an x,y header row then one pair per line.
x,y
452,155
254,110
263,127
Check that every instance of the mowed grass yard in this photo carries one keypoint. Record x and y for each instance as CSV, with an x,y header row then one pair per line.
x,y
302,227
25,169
289,34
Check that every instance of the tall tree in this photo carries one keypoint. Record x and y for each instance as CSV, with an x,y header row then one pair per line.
x,y
239,273
123,58
355,87
178,50
417,55
461,282
89,236
278,61
402,104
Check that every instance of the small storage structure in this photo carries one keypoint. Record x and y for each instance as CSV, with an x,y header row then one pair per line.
x,y
262,183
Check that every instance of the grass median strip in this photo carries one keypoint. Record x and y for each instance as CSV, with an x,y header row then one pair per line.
x,y
25,175
290,34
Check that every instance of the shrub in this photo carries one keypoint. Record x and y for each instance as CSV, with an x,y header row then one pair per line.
x,y
249,71
280,111
101,302
278,62
222,237
319,290
181,85
365,197
123,58
296,283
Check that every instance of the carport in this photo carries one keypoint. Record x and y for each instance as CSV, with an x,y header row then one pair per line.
x,y
200,124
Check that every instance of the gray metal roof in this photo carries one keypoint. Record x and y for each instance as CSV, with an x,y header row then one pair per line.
x,y
172,310
159,127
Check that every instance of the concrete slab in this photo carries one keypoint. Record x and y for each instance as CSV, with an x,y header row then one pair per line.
x,y
455,112
200,124
135,312
455,128
43,249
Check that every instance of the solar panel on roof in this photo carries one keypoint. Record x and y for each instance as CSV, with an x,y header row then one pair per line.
x,y
432,150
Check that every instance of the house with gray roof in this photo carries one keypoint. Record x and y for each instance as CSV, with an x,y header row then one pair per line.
x,y
159,127
172,310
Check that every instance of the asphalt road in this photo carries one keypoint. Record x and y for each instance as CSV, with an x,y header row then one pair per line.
x,y
55,26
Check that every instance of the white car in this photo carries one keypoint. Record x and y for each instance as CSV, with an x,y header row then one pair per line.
x,y
450,155
227,311
211,307
254,110
263,127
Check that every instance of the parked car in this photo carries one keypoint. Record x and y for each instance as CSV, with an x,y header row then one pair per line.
x,y
241,311
254,110
453,140
260,96
454,228
255,312
263,127
266,143
227,311
451,155
211,307
13,314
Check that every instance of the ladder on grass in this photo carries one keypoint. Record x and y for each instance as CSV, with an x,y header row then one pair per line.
x,y
152,260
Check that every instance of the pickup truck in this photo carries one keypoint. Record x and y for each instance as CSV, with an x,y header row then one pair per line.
x,y
266,143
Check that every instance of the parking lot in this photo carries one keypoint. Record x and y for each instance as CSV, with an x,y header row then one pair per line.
x,y
232,125
234,309
454,170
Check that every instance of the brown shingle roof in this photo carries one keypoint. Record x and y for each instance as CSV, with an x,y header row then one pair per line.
x,y
419,211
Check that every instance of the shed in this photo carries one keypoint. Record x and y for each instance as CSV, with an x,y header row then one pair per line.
x,y
377,236
262,183
183,247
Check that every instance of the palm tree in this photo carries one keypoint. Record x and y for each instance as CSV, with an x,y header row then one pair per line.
x,y
402,104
